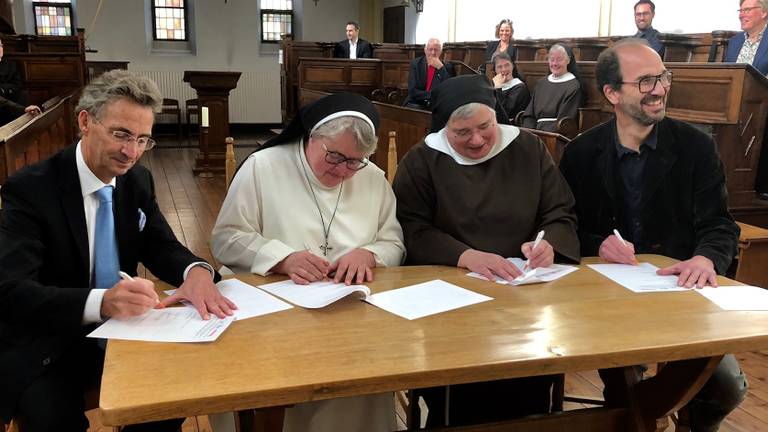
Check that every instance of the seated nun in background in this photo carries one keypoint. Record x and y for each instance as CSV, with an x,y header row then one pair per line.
x,y
471,194
510,86
558,95
308,204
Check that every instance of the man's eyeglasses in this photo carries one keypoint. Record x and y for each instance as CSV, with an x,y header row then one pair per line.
x,y
747,9
642,14
335,158
648,84
127,138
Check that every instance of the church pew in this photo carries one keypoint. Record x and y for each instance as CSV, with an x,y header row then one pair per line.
x,y
48,65
29,139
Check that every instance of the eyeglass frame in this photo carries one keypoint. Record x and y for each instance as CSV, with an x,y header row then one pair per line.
x,y
126,137
656,80
344,159
748,9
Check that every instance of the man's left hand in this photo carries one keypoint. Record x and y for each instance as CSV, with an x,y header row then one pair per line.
x,y
199,290
354,267
435,62
698,271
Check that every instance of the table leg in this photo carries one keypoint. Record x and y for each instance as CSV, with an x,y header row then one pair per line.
x,y
260,420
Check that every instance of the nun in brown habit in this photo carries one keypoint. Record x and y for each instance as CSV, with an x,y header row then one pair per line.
x,y
473,193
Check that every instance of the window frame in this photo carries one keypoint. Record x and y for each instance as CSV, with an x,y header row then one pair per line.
x,y
68,5
286,12
153,8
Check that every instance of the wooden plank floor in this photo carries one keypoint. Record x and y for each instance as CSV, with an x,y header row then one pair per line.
x,y
191,204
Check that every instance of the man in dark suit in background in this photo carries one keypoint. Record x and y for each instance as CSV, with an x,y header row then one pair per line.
x,y
353,47
427,72
645,11
69,224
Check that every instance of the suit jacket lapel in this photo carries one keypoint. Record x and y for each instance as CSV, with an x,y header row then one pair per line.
x,y
607,161
123,219
72,202
660,161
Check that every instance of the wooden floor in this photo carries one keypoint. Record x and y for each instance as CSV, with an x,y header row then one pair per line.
x,y
191,204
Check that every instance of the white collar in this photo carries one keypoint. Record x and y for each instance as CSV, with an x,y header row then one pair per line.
x,y
438,141
562,78
353,43
511,83
89,183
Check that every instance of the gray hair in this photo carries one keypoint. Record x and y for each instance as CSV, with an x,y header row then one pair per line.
x,y
763,4
119,84
365,137
436,40
470,109
561,49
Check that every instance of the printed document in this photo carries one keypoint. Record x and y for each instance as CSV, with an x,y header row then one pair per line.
x,y
537,275
641,278
428,298
314,295
250,301
173,324
737,298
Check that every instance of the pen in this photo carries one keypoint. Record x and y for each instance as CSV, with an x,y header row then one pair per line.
x,y
127,277
536,242
618,236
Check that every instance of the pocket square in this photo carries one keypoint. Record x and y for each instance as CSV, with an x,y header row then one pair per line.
x,y
142,220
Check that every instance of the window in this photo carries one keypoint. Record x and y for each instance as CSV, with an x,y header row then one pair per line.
x,y
53,18
170,20
276,19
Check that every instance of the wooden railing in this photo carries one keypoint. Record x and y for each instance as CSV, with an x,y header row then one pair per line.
x,y
30,139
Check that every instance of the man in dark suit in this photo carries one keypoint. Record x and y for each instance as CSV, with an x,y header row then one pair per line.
x,y
427,72
645,11
661,184
69,224
353,47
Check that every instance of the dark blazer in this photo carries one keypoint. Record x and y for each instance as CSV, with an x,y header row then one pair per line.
x,y
684,205
761,56
9,110
44,268
417,81
651,35
364,49
490,50
11,86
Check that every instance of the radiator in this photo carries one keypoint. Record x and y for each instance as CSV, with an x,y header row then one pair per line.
x,y
256,99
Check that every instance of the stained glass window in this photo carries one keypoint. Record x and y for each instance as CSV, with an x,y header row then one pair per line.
x,y
276,19
170,20
53,18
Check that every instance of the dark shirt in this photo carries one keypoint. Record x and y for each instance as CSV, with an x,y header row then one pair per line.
x,y
631,172
652,36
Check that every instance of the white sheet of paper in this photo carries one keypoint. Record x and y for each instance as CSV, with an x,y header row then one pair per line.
x,y
538,275
641,278
314,295
737,298
428,298
250,301
173,324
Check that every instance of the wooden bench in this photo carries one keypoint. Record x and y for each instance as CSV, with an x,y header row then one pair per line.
x,y
752,260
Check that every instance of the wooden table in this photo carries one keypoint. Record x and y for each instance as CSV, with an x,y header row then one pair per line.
x,y
581,322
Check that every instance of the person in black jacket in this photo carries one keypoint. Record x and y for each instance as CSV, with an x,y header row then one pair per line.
x,y
59,275
353,47
11,86
511,90
427,72
504,33
660,183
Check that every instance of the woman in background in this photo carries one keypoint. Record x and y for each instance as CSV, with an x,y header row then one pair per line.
x,y
504,33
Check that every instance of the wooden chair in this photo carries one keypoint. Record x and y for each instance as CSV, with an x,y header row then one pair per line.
x,y
171,107
392,157
752,255
566,126
554,142
192,108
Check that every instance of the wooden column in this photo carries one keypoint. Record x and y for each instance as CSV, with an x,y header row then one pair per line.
x,y
213,92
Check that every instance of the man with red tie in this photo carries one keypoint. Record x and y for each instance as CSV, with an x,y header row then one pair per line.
x,y
427,72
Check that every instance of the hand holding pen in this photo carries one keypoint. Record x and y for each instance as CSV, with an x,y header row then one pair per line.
x,y
617,250
539,253
129,297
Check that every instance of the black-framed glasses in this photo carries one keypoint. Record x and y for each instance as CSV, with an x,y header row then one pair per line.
x,y
336,158
648,84
747,9
126,138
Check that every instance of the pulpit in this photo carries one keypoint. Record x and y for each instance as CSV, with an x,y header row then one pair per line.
x,y
213,92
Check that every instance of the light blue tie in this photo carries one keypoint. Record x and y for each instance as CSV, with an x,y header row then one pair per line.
x,y
106,264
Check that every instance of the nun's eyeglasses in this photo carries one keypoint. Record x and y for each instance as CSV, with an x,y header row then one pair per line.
x,y
335,158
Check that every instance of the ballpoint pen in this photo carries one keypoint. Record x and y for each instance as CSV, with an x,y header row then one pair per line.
x,y
536,242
